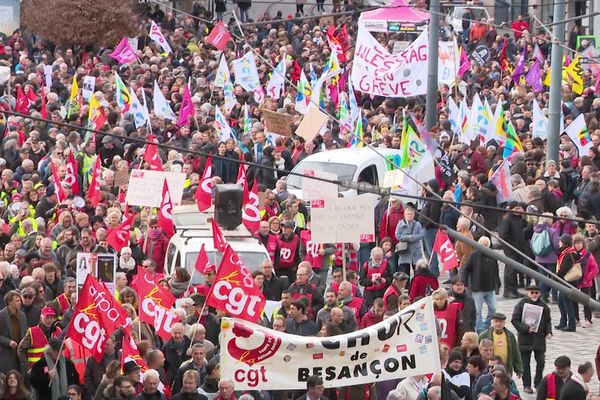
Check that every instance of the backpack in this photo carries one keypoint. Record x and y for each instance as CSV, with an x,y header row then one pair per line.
x,y
540,243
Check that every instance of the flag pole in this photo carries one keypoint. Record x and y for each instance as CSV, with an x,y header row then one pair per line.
x,y
60,350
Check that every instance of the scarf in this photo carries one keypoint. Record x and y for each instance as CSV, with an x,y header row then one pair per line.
x,y
59,384
568,250
154,234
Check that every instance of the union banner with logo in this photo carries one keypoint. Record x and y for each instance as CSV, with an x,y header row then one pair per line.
x,y
403,345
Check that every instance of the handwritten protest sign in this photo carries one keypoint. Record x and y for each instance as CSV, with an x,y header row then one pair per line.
x,y
377,72
277,123
343,220
319,190
145,187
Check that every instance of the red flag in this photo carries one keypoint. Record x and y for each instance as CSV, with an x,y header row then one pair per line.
x,y
241,178
234,290
296,72
250,211
203,193
118,237
130,351
97,315
202,261
444,248
335,44
155,305
219,241
24,101
165,212
152,157
219,36
58,187
71,177
93,194
44,110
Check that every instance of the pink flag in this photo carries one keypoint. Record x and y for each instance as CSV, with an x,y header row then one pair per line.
x,y
187,108
520,68
465,62
123,53
534,77
501,179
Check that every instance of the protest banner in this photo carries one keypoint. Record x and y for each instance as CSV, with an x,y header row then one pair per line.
x,y
448,63
401,346
145,187
319,190
277,123
343,220
312,123
102,266
377,72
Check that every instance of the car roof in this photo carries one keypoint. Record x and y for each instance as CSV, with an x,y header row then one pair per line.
x,y
351,155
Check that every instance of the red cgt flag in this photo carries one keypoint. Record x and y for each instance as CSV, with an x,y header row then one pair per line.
x,y
61,195
203,193
130,351
93,193
250,210
152,157
219,36
165,212
219,241
155,305
97,315
234,290
71,177
118,237
443,247
202,261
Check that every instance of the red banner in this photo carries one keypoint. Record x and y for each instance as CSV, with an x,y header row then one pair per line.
x,y
118,237
234,290
97,315
155,304
444,248
250,210
203,193
165,212
219,241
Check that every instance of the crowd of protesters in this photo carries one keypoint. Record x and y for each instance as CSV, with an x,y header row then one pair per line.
x,y
481,356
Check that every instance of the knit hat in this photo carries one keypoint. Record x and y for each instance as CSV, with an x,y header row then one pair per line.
x,y
566,239
454,355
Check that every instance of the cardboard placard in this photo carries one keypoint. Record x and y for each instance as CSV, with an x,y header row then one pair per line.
x,y
311,124
277,123
343,220
319,190
145,187
121,177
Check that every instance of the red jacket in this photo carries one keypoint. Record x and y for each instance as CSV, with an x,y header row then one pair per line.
x,y
387,227
370,319
419,284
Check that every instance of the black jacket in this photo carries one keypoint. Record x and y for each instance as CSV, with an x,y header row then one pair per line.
x,y
41,381
572,390
266,176
430,214
189,396
468,310
272,288
481,273
172,359
529,341
178,380
542,390
511,231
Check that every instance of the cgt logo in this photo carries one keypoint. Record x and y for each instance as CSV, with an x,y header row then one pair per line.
x,y
86,324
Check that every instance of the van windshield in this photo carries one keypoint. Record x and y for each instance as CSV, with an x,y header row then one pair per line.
x,y
343,172
251,259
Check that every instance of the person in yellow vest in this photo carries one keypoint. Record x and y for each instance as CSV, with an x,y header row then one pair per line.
x,y
62,302
31,348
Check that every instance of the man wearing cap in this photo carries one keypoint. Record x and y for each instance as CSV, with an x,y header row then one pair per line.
x,y
108,151
531,319
395,290
131,370
393,214
505,344
13,326
31,347
552,384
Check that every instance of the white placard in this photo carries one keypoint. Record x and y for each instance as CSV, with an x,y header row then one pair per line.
x,y
532,315
319,190
145,187
88,87
48,75
343,220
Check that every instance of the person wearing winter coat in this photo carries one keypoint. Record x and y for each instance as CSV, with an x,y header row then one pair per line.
x,y
589,267
423,281
375,276
567,259
510,231
505,344
429,217
465,302
412,233
547,260
532,334
482,278
390,219
266,176
577,388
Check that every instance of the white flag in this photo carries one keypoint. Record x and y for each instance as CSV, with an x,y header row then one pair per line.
x,y
303,96
222,73
230,99
161,106
157,36
221,125
540,122
478,121
140,113
579,135
275,85
453,115
489,134
246,74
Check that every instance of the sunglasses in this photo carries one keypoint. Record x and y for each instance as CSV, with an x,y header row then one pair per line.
x,y
534,292
28,296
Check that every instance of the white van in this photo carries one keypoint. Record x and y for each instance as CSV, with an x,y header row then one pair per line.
x,y
356,165
193,229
